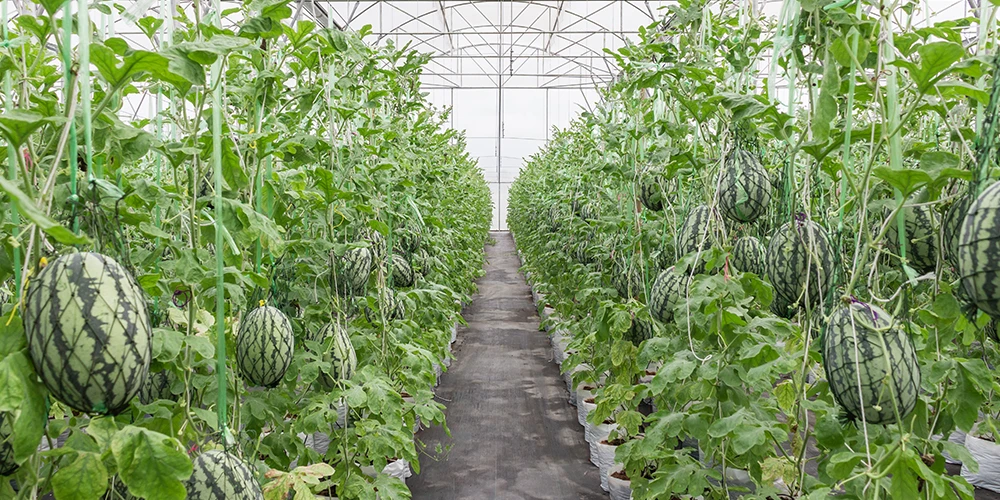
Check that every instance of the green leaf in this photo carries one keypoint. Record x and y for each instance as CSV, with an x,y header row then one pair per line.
x,y
16,125
29,210
826,106
84,479
152,465
119,72
379,226
936,60
905,180
904,481
23,394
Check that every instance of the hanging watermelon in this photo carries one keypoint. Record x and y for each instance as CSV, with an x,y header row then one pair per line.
x,y
377,243
748,255
351,271
341,356
951,228
627,280
800,262
264,346
157,386
402,273
409,239
979,251
589,212
7,464
219,475
394,309
665,293
921,237
870,363
641,329
651,191
694,233
422,262
88,332
744,186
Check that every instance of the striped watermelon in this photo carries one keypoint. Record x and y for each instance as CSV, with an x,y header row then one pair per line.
x,y
394,309
979,251
581,253
422,262
861,344
219,475
628,281
921,237
88,332
402,273
7,464
157,386
744,186
951,228
409,240
377,243
694,234
589,212
782,308
351,271
341,356
666,292
991,330
748,255
650,191
800,262
641,329
264,346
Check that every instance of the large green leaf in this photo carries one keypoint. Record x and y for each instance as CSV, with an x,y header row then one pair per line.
x,y
17,125
22,394
30,211
152,465
936,60
85,478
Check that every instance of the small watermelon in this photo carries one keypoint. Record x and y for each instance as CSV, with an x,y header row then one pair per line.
x,y
88,332
582,253
264,346
650,191
979,251
351,271
744,187
951,228
694,234
157,386
782,308
394,309
219,475
800,262
341,356
422,262
861,344
7,464
589,212
991,330
641,329
748,255
402,273
921,237
409,240
666,292
377,243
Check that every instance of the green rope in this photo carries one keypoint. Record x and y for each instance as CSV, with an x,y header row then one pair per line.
x,y
15,217
83,21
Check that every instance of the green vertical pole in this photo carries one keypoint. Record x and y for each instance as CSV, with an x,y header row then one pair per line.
x,y
71,159
258,197
83,21
220,319
892,119
15,217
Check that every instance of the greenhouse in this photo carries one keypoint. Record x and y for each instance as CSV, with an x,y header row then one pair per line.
x,y
499,249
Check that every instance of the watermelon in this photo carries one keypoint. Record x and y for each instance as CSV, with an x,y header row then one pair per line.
x,y
744,187
7,464
650,191
341,356
409,240
582,253
555,217
979,251
748,255
641,329
351,271
264,346
991,330
951,228
694,233
157,386
921,237
377,243
589,212
800,262
782,308
394,309
666,292
402,273
219,475
422,262
628,281
88,332
870,363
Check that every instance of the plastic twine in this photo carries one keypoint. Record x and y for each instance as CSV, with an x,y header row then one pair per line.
x,y
15,216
